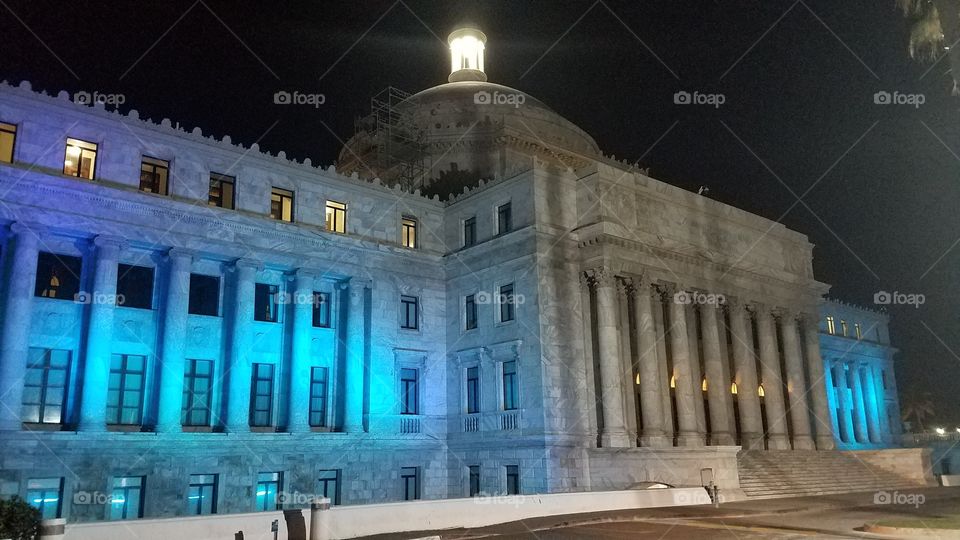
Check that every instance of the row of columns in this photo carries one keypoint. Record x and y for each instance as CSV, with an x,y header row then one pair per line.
x,y
861,408
804,403
22,245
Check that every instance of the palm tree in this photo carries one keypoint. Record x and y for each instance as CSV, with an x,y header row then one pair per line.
x,y
920,409
935,32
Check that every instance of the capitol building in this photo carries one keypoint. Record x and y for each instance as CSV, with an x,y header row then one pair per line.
x,y
474,300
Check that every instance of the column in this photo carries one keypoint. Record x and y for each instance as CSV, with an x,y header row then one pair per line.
x,y
614,432
300,356
772,381
696,372
883,415
17,316
843,402
818,383
173,342
796,382
627,351
660,325
745,365
651,384
239,368
355,360
859,409
687,389
718,383
874,398
99,339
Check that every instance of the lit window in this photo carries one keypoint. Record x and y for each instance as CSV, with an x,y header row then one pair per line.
x,y
410,479
135,286
409,400
469,231
474,478
197,383
81,159
673,381
58,276
473,390
858,330
637,379
154,175
831,325
336,217
703,385
733,388
126,501
125,391
204,295
45,386
318,396
409,232
265,305
8,137
504,218
321,310
202,496
329,485
409,312
281,205
843,327
45,495
222,191
268,491
261,396
513,479
470,312
760,391
507,301
510,387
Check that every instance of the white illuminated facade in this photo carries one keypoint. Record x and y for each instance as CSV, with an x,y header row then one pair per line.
x,y
466,55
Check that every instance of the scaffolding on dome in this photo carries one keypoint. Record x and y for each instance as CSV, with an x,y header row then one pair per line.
x,y
393,146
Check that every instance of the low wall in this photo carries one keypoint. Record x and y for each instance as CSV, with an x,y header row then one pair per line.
x,y
218,527
910,463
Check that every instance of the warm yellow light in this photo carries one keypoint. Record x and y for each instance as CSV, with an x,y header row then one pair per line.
x,y
703,385
73,151
673,381
638,379
760,391
466,55
733,388
941,431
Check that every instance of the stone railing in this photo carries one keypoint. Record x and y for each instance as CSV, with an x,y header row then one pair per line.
x,y
922,439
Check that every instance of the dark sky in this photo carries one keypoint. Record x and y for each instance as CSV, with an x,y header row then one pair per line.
x,y
799,80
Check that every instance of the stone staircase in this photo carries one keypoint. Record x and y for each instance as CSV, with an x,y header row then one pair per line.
x,y
798,473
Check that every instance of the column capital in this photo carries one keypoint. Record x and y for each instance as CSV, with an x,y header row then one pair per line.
x,y
304,276
181,254
106,241
625,285
246,264
761,311
600,276
357,283
735,305
21,229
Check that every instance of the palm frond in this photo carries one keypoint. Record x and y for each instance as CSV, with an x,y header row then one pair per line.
x,y
926,36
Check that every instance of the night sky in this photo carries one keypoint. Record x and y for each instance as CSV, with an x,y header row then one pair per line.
x,y
799,80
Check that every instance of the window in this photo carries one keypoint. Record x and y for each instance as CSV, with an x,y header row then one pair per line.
x,y
281,205
45,386
831,325
261,408
8,137
202,496
135,286
321,310
474,480
126,501
410,478
222,191
336,217
473,390
513,479
58,276
883,378
81,159
154,175
409,312
328,485
197,382
843,327
470,312
507,302
204,295
125,389
268,491
469,231
45,495
265,306
408,391
858,330
510,401
408,232
504,218
318,396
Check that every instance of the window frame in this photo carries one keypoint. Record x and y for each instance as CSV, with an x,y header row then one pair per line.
x,y
404,387
315,382
155,164
471,239
275,480
476,383
46,358
43,495
222,178
406,301
409,227
198,481
57,260
254,379
338,211
511,471
190,295
405,475
322,298
504,228
514,400
124,372
14,129
282,194
323,483
140,493
473,473
187,406
81,150
471,312
122,275
510,306
272,297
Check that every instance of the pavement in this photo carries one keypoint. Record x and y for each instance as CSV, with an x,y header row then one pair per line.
x,y
828,516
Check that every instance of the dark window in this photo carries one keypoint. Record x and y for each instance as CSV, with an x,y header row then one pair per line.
x,y
45,494
45,386
513,480
409,400
281,205
408,226
125,391
58,276
222,191
507,302
470,312
135,286
265,306
510,400
321,310
474,472
883,378
329,485
202,497
504,218
204,295
409,312
261,396
154,175
197,382
410,477
268,491
126,501
81,159
469,232
318,396
473,390
8,138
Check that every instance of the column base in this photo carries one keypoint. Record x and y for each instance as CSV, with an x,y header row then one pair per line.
x,y
722,439
238,429
778,441
803,442
169,428
752,441
356,428
691,439
90,427
826,442
656,440
615,440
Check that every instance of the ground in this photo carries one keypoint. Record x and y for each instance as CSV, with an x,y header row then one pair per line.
x,y
835,516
